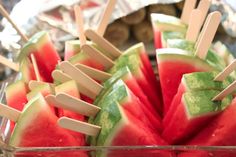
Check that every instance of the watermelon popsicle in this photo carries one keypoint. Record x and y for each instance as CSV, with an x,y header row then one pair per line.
x,y
173,63
38,45
194,82
72,47
126,103
219,132
123,130
35,116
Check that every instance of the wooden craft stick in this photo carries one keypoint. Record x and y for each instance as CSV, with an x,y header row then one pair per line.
x,y
81,78
98,56
189,5
93,73
34,84
194,25
225,92
35,66
79,126
225,73
7,16
74,104
80,24
62,77
8,63
204,6
207,34
8,112
106,16
103,43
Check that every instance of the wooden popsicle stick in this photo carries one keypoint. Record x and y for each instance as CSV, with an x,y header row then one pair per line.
x,y
80,24
34,84
7,16
8,63
81,78
225,73
106,16
93,73
194,25
10,113
189,5
103,43
62,77
207,34
35,66
79,126
204,6
74,104
98,56
225,92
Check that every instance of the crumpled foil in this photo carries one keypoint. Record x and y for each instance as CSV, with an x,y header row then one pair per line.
x,y
56,16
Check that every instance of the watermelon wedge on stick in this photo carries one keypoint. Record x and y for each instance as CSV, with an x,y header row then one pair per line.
x,y
42,48
123,129
216,133
30,123
72,47
135,109
194,82
173,63
195,110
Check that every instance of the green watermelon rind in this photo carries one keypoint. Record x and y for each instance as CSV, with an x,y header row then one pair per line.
x,y
199,103
212,57
175,54
204,81
69,85
29,113
168,23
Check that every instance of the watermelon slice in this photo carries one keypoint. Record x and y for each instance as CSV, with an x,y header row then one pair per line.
x,y
45,54
219,132
212,57
16,98
72,47
136,66
37,127
125,74
172,64
121,93
123,130
147,69
194,112
194,82
161,22
71,89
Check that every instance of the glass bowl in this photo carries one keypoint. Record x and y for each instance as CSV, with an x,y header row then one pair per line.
x,y
103,151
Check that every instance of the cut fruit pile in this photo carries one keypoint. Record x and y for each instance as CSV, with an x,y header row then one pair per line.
x,y
100,96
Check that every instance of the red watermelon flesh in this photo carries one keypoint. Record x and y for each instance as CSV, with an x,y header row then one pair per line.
x,y
172,64
157,39
72,47
194,112
71,89
219,132
37,127
16,98
45,54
